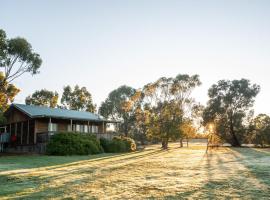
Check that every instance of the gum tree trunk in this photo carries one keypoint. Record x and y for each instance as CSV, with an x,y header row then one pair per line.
x,y
235,141
181,142
165,143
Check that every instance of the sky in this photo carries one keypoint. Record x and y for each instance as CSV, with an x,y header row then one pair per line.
x,y
105,44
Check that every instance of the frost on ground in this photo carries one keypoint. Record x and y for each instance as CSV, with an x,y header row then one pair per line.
x,y
179,173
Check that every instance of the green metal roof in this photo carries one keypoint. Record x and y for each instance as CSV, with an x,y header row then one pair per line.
x,y
41,111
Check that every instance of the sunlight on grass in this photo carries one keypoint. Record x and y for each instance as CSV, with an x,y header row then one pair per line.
x,y
152,173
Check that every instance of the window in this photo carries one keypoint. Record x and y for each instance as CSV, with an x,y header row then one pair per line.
x,y
94,129
53,127
78,126
69,128
85,128
81,128
73,127
90,129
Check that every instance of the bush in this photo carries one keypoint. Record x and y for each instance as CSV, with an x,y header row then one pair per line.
x,y
105,144
118,144
66,143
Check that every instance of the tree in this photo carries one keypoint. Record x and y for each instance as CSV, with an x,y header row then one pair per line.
x,y
7,93
182,88
115,107
141,120
166,102
188,130
16,58
259,130
77,99
229,104
43,98
3,120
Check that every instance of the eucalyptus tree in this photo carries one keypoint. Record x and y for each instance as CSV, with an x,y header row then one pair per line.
x,y
165,103
182,88
16,58
115,108
259,130
43,98
229,104
7,94
78,98
188,129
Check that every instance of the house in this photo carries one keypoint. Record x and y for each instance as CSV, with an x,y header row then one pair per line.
x,y
29,127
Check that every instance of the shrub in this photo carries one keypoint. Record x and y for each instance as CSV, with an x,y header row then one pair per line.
x,y
118,144
105,144
66,143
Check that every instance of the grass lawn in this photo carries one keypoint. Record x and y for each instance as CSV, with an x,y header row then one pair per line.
x,y
187,173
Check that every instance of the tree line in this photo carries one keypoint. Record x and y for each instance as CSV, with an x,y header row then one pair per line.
x,y
160,111
165,110
77,98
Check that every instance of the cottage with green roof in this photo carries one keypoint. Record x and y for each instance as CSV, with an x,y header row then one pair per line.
x,y
30,127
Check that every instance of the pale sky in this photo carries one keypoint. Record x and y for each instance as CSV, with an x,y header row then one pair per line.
x,y
105,44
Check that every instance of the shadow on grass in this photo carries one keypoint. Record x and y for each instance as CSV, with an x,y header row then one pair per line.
x,y
210,185
108,163
232,186
258,163
37,161
24,186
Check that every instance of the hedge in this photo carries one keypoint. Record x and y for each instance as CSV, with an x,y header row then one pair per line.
x,y
69,143
118,144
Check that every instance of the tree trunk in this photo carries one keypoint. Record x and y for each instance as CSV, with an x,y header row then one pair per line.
x,y
126,130
142,140
235,141
187,142
209,140
165,143
262,145
181,143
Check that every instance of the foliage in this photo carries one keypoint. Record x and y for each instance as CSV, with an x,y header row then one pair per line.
x,y
197,116
230,103
43,98
138,132
114,107
78,99
3,120
162,106
7,93
16,58
129,142
188,129
118,144
65,143
259,130
105,143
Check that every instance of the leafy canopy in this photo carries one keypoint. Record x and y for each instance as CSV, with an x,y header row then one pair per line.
x,y
77,99
43,98
259,130
163,105
115,107
229,103
17,57
112,107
